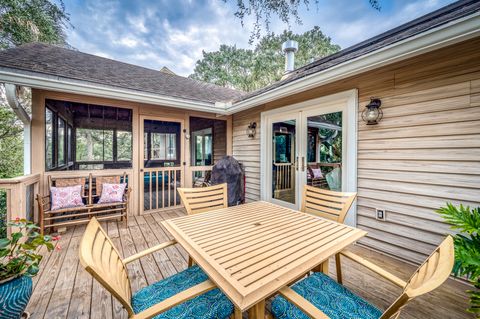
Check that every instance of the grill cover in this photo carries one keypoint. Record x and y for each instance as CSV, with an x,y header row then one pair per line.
x,y
229,170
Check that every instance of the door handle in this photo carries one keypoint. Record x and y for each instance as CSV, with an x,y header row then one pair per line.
x,y
303,164
296,164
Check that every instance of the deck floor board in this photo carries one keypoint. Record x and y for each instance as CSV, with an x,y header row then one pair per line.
x,y
64,290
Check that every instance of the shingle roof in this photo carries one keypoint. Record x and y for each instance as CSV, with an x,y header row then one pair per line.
x,y
70,64
434,19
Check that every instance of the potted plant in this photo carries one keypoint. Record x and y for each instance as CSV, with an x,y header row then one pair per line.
x,y
467,248
19,261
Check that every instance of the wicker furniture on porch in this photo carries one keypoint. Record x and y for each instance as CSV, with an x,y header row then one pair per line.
x,y
91,192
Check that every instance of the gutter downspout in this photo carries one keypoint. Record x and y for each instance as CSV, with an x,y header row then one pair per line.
x,y
17,107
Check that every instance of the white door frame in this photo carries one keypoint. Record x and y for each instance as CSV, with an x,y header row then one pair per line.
x,y
347,101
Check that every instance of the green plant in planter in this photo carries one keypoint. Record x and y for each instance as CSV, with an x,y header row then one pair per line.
x,y
467,247
19,253
19,260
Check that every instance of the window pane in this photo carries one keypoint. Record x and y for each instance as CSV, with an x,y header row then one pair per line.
x,y
69,144
48,138
108,145
124,146
89,145
61,141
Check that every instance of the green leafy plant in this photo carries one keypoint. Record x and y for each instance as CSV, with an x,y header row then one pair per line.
x,y
467,247
19,253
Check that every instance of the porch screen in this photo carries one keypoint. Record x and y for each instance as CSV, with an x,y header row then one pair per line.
x,y
98,137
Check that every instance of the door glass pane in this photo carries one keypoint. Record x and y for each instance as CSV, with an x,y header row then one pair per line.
x,y
61,141
283,158
324,151
48,138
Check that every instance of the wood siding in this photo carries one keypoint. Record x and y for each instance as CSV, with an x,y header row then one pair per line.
x,y
424,153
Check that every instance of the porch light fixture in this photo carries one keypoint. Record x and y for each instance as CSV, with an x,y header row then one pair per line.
x,y
252,129
372,114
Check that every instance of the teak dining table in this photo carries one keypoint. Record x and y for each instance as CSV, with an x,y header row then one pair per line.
x,y
251,251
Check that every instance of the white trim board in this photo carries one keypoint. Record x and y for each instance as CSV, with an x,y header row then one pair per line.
x,y
347,102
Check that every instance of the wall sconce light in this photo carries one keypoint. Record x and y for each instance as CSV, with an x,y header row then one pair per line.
x,y
252,129
372,113
187,135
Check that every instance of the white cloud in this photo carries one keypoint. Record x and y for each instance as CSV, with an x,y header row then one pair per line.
x,y
160,33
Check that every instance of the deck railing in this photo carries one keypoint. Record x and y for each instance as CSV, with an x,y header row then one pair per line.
x,y
20,196
283,176
201,175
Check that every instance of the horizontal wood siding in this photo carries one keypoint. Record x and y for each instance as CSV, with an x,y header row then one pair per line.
x,y
247,151
424,153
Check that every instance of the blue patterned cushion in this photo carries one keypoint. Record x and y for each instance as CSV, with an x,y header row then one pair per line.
x,y
326,294
211,305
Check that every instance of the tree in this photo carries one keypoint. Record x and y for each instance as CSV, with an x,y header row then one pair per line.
x,y
285,10
248,70
25,21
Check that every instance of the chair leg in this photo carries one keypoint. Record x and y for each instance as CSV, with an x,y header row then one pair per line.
x,y
338,266
190,261
237,314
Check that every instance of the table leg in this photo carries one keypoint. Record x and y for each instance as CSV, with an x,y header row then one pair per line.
x,y
257,311
323,267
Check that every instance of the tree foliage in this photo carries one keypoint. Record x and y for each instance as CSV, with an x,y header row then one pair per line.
x,y
25,21
285,10
251,69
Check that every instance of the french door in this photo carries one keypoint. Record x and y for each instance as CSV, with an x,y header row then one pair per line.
x,y
162,163
311,143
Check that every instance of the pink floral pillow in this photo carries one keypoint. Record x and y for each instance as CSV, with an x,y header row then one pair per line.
x,y
112,193
66,197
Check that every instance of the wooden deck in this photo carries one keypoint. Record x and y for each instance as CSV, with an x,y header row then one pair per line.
x,y
64,290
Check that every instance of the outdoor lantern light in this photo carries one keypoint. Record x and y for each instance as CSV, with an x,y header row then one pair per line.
x,y
372,113
252,129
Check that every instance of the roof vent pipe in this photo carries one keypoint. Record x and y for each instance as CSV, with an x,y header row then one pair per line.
x,y
289,47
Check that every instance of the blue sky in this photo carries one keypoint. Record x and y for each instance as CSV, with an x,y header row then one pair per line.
x,y
173,33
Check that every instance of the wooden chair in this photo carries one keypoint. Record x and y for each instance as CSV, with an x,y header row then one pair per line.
x,y
430,275
327,204
203,199
102,260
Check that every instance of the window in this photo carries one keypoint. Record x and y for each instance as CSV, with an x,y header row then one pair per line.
x,y
69,144
94,145
208,142
124,146
49,139
163,146
84,136
61,141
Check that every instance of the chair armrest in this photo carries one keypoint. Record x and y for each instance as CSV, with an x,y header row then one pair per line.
x,y
303,304
148,251
394,279
176,300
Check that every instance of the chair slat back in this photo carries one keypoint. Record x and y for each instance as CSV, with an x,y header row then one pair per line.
x,y
102,260
325,203
429,276
202,199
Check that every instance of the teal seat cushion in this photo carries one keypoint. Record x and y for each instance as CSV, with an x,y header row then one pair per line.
x,y
211,305
326,294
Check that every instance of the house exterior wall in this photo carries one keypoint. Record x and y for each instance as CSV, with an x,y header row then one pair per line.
x,y
139,111
424,153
